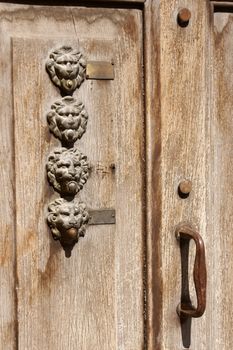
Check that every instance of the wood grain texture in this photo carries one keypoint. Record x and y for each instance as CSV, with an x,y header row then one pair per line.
x,y
220,220
177,150
8,320
153,171
94,300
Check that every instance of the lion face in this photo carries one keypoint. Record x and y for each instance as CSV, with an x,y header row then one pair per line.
x,y
67,221
67,170
66,68
67,120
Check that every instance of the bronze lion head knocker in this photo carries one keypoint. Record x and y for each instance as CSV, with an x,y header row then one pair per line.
x,y
67,171
66,68
67,221
67,120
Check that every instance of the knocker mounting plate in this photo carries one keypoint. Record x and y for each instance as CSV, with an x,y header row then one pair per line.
x,y
100,70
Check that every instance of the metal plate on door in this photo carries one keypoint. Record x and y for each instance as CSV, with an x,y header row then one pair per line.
x,y
102,217
100,70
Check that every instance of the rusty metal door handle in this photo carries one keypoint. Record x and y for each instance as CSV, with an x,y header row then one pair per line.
x,y
185,310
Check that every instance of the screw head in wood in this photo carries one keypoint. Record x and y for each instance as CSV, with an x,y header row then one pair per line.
x,y
183,17
184,189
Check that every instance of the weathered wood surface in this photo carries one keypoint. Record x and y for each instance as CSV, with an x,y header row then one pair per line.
x,y
189,136
94,300
153,170
220,219
177,108
8,322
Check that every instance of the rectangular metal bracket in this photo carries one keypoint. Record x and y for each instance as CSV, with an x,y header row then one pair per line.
x,y
102,217
100,70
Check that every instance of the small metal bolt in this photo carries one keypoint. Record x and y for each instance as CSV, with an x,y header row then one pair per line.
x,y
183,17
69,83
113,166
184,189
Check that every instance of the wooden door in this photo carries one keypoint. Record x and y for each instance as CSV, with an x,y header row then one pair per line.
x,y
152,97
95,298
192,140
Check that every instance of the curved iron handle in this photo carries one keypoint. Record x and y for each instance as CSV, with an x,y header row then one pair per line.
x,y
185,310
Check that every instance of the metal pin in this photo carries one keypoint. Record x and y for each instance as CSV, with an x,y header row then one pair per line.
x,y
184,188
183,17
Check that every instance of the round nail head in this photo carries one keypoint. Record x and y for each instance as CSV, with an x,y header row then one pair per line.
x,y
69,83
183,17
185,187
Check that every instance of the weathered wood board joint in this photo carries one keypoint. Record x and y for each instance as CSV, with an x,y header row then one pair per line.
x,y
100,70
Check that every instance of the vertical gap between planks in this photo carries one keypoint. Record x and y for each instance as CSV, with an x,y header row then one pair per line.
x,y
144,189
153,172
15,213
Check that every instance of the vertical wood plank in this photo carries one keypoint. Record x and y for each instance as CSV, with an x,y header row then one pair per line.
x,y
220,195
176,151
130,185
153,173
94,299
8,302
